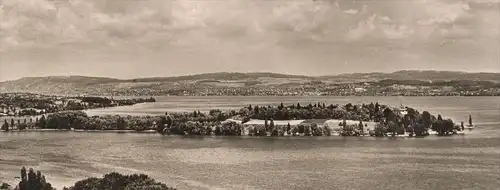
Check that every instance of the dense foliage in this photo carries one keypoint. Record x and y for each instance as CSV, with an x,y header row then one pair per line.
x,y
4,186
392,121
31,180
116,181
25,104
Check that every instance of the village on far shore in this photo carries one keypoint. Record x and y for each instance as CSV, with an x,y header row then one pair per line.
x,y
29,104
317,119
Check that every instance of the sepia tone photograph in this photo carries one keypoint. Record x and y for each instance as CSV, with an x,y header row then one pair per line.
x,y
249,94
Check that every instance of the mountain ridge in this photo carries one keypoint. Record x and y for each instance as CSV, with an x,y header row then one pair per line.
x,y
78,84
270,74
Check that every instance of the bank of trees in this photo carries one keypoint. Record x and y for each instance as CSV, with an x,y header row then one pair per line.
x,y
34,104
31,180
390,121
115,180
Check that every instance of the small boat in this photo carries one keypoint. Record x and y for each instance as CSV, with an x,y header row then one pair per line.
x,y
470,126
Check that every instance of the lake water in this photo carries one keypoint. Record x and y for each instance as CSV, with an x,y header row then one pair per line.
x,y
458,162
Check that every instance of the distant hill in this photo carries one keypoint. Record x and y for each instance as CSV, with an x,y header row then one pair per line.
x,y
218,76
427,75
72,85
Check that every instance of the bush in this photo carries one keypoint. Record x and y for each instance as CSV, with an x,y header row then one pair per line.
x,y
33,181
5,186
380,130
118,181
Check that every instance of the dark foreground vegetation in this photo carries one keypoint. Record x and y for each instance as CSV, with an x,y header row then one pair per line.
x,y
389,121
26,104
31,180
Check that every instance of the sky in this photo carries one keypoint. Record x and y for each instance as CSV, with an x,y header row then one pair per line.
x,y
144,38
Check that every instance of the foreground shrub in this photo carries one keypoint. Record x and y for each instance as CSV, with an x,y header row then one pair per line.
x,y
116,181
4,186
33,181
113,181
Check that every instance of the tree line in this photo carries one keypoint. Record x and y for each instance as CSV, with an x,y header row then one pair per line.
x,y
389,120
31,105
31,180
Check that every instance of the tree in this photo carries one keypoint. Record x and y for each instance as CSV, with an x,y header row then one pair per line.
x,y
42,123
361,127
439,117
53,122
443,127
12,122
380,130
24,175
5,126
301,128
161,124
389,114
120,182
344,124
169,121
5,186
426,119
271,125
120,123
330,107
256,109
266,126
80,122
64,122
33,181
22,126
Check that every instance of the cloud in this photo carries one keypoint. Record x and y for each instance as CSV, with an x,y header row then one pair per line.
x,y
351,11
44,23
221,32
444,13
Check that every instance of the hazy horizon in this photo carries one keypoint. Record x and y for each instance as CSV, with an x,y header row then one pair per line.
x,y
139,77
161,38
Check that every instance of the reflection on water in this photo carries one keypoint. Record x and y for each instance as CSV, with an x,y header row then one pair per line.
x,y
458,162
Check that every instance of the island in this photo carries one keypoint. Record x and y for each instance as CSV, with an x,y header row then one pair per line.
x,y
319,119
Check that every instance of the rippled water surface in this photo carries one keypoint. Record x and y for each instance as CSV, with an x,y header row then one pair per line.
x,y
459,162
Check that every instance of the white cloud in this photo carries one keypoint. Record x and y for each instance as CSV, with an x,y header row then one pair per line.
x,y
351,11
398,31
363,28
443,13
385,19
223,29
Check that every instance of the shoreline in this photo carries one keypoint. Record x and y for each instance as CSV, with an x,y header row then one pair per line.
x,y
78,131
334,134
